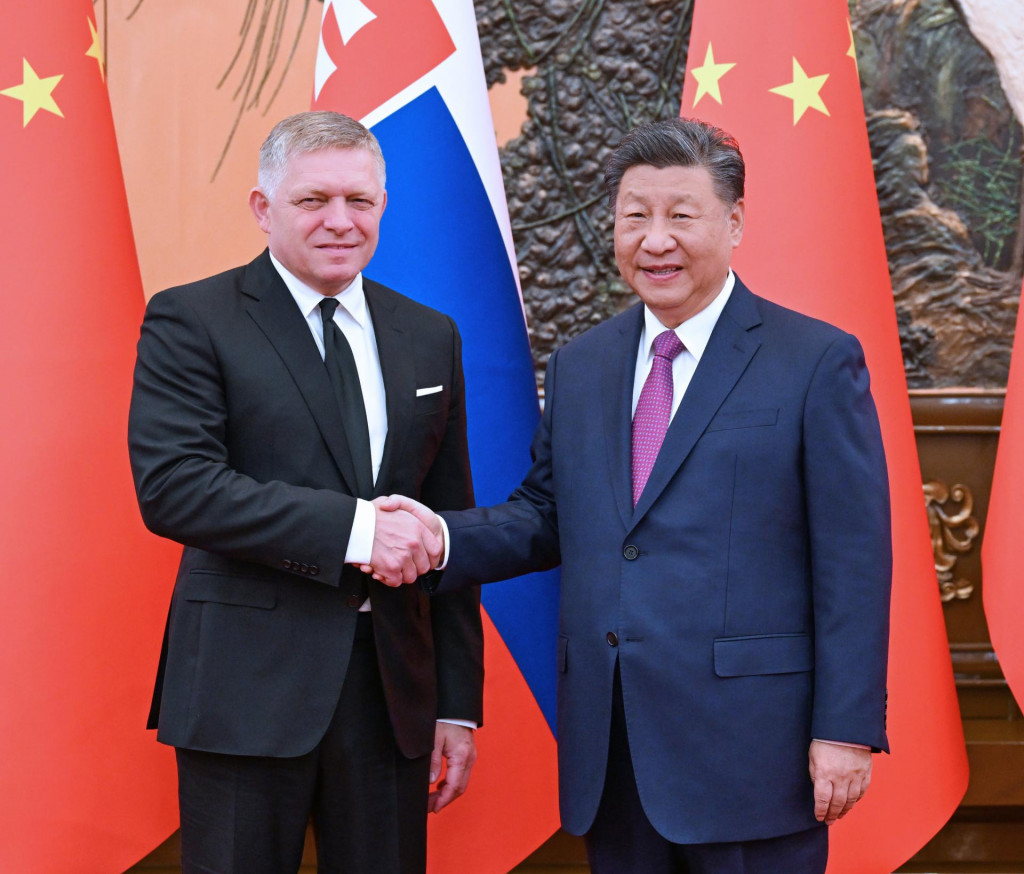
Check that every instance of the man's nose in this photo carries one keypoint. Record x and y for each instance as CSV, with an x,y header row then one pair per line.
x,y
658,238
337,216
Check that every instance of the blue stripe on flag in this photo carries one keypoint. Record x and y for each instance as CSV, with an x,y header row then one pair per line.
x,y
441,244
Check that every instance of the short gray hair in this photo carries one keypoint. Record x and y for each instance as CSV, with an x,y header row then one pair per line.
x,y
312,132
679,142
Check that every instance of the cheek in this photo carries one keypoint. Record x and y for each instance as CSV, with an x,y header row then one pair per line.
x,y
625,247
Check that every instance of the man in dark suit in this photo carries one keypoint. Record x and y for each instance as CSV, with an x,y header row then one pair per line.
x,y
271,404
709,472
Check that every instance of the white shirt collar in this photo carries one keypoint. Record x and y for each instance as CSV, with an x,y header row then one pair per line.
x,y
353,298
695,332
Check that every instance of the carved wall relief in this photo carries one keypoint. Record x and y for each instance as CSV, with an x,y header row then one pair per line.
x,y
953,533
945,142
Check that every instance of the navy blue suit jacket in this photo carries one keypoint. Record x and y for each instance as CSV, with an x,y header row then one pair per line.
x,y
746,597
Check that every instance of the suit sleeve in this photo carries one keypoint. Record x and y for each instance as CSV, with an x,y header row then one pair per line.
x,y
847,493
520,536
455,617
187,488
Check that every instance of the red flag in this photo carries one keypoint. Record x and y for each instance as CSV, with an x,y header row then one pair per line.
x,y
1003,579
782,78
85,788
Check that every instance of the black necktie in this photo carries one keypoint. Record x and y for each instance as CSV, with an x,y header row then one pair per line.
x,y
341,368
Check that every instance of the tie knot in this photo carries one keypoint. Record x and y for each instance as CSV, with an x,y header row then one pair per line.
x,y
667,345
327,307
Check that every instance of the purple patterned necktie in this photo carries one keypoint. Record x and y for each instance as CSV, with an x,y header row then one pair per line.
x,y
653,410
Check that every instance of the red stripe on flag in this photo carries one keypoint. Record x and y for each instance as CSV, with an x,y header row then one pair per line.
x,y
488,831
403,43
85,587
813,241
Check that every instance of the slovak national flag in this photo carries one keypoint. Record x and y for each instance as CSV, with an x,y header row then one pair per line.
x,y
411,71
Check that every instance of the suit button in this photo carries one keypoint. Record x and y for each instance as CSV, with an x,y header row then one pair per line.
x,y
612,638
630,552
287,565
304,568
354,601
314,569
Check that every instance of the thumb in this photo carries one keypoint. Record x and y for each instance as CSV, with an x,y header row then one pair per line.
x,y
435,763
388,503
423,513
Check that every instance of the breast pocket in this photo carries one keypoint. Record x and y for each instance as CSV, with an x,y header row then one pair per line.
x,y
744,419
431,403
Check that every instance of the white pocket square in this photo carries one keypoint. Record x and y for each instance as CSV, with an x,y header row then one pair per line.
x,y
433,390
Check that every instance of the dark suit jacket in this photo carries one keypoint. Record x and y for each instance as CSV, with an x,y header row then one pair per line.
x,y
746,596
239,452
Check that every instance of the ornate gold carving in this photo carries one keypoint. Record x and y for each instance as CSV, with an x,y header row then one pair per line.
x,y
953,534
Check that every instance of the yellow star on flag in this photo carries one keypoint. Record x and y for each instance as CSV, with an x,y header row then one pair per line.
x,y
803,91
34,93
851,52
708,76
96,50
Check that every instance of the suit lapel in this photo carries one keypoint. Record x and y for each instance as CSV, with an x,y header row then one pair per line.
x,y
273,309
618,370
727,355
397,366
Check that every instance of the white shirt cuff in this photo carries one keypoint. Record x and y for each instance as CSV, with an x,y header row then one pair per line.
x,y
842,743
447,547
360,539
465,723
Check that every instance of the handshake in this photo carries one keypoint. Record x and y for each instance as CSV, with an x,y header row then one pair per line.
x,y
408,541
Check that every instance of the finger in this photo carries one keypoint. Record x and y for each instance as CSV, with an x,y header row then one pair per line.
x,y
855,794
435,763
836,806
442,797
822,798
421,561
388,502
435,549
423,513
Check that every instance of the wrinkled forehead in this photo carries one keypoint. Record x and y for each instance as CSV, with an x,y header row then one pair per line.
x,y
301,158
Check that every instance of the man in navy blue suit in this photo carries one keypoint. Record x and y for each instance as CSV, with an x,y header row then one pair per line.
x,y
710,474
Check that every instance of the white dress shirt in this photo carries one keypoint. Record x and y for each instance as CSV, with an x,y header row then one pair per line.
x,y
353,318
694,334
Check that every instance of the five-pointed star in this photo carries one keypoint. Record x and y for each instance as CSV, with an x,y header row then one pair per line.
x,y
708,76
96,50
851,52
34,93
803,91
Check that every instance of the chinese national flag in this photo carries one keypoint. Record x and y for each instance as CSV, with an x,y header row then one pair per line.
x,y
781,77
1003,576
84,586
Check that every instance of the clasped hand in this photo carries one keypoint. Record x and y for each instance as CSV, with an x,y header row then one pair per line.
x,y
407,541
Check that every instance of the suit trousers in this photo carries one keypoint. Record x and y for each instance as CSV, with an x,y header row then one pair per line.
x,y
623,841
368,803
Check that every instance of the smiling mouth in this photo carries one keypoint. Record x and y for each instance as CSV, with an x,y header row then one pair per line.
x,y
661,271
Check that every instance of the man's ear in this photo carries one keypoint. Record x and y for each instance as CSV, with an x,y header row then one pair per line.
x,y
260,206
736,222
